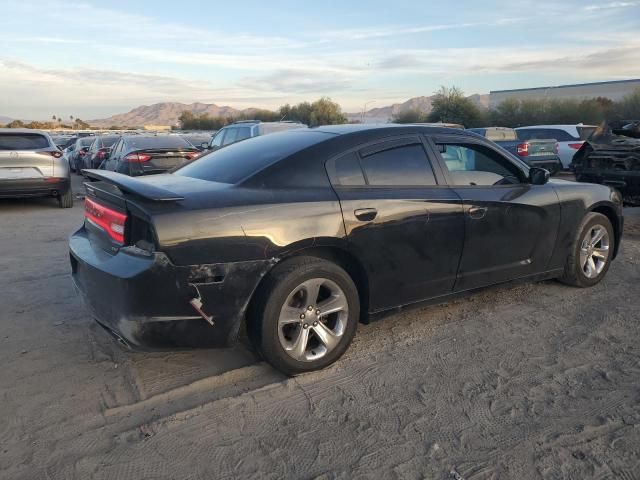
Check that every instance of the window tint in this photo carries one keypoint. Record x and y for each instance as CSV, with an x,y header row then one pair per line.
x,y
545,134
109,141
470,164
243,133
217,140
402,165
231,136
167,141
242,159
347,171
22,141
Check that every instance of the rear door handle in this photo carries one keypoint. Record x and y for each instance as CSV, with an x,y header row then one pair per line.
x,y
365,214
477,213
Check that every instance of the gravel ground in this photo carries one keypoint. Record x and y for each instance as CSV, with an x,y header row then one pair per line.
x,y
529,381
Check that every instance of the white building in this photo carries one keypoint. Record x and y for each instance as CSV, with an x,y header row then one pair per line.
x,y
614,90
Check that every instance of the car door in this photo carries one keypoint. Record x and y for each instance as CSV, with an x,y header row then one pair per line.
x,y
510,224
405,227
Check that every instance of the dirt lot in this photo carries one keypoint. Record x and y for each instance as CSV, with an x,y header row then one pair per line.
x,y
533,381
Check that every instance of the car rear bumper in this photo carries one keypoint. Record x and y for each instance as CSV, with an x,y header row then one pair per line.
x,y
33,187
144,299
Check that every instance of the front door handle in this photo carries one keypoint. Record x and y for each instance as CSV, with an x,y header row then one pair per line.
x,y
365,214
476,213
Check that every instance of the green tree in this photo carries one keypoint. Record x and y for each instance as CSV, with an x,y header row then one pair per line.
x,y
629,107
321,112
15,124
449,105
412,115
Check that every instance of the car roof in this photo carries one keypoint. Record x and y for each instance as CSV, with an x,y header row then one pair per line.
x,y
388,127
23,130
557,126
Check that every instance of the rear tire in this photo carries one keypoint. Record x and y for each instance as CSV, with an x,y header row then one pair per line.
x,y
286,323
66,199
591,252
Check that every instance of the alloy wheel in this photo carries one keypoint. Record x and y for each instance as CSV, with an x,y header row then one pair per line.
x,y
313,319
594,251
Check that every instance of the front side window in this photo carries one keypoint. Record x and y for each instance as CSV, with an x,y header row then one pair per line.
x,y
216,142
399,165
231,136
470,164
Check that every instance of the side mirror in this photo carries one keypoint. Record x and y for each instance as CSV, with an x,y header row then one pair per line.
x,y
538,176
205,145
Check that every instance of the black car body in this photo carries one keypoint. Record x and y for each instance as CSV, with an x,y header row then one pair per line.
x,y
383,201
99,150
611,156
137,155
541,153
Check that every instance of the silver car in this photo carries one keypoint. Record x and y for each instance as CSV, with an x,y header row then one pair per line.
x,y
31,165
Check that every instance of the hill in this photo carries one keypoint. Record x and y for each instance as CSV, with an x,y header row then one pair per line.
x,y
385,114
165,113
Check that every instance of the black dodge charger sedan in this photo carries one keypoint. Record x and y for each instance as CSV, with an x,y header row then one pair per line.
x,y
295,237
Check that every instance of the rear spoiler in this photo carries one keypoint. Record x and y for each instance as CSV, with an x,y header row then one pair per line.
x,y
134,185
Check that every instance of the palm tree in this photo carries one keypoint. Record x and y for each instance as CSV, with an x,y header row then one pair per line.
x,y
53,117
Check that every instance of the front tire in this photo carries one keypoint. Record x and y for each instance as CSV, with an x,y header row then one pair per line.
x,y
305,315
591,252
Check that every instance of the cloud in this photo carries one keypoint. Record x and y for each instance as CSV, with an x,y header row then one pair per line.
x,y
401,30
298,81
610,5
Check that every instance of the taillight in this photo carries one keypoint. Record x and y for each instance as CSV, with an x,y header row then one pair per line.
x,y
110,220
575,146
102,153
192,155
557,149
82,153
523,149
137,158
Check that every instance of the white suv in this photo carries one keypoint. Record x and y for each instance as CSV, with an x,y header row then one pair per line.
x,y
569,137
238,131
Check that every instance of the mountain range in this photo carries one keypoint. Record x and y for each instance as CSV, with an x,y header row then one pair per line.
x,y
167,113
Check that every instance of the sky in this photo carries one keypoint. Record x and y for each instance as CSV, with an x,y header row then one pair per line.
x,y
94,59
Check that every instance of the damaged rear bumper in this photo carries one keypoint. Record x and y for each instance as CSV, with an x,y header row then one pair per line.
x,y
146,300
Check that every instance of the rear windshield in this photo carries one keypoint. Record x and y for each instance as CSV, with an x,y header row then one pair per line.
x,y
109,141
242,159
169,141
86,141
503,134
22,141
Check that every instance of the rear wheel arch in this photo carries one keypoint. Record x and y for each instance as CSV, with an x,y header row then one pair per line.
x,y
611,214
341,257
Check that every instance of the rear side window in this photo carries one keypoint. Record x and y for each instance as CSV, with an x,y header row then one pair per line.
x,y
22,141
545,134
399,165
243,133
346,171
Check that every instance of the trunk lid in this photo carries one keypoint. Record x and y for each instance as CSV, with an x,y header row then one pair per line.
x,y
17,165
542,147
163,159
